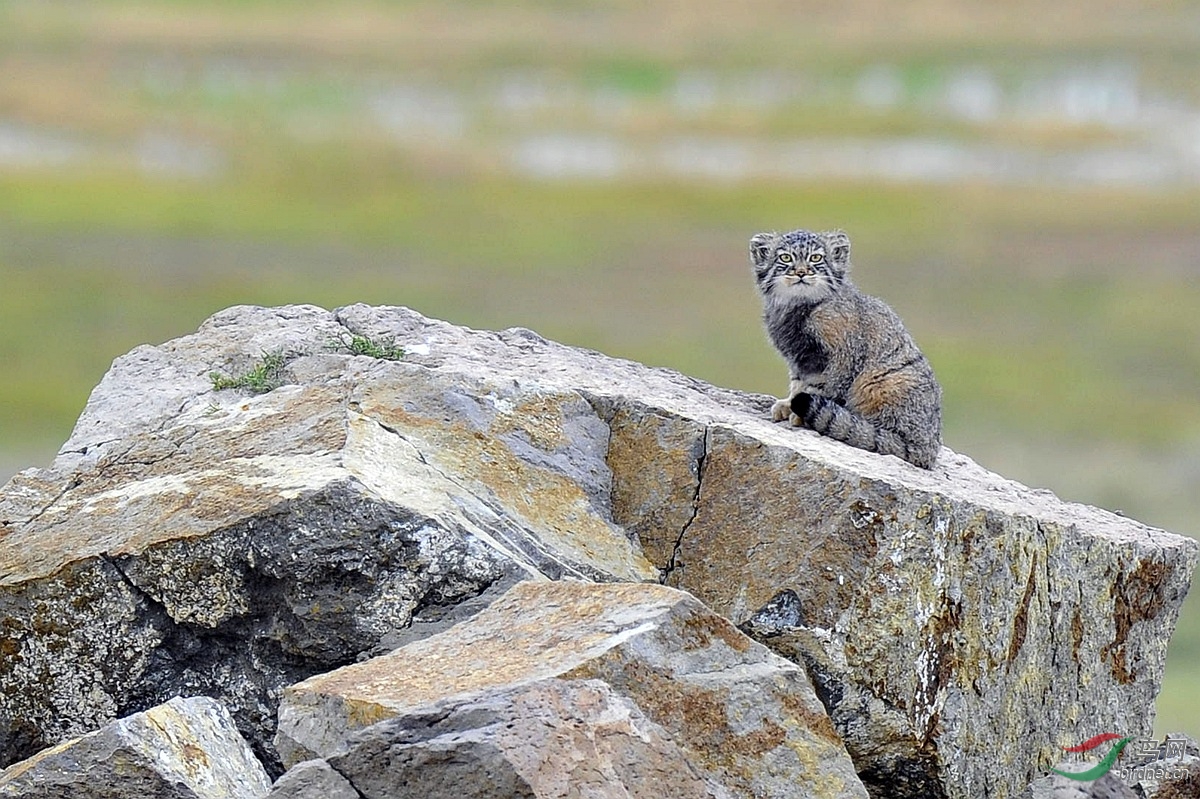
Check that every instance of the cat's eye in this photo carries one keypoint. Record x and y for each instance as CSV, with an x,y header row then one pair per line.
x,y
816,258
786,258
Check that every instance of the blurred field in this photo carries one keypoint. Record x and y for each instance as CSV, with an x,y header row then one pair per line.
x,y
1026,195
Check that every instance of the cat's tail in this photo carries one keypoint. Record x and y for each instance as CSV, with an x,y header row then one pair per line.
x,y
838,422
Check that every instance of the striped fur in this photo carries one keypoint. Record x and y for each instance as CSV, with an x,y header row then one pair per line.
x,y
855,373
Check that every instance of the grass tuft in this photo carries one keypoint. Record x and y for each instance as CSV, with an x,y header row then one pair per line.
x,y
385,349
266,376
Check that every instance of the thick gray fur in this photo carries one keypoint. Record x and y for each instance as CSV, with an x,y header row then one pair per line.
x,y
856,375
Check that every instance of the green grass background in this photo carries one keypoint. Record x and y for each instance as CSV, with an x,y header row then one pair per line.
x,y
1064,322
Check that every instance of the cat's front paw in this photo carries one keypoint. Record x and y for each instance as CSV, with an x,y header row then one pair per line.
x,y
798,408
781,410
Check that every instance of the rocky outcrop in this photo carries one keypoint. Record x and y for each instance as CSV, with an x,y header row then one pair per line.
x,y
958,627
184,749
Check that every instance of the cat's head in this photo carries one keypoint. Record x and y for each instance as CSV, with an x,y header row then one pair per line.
x,y
800,265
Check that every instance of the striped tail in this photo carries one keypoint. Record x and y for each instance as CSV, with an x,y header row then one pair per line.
x,y
829,418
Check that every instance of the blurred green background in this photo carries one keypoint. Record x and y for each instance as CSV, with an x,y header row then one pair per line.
x,y
1021,182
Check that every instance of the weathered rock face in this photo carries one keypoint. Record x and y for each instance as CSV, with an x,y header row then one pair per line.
x,y
184,749
747,719
959,627
967,625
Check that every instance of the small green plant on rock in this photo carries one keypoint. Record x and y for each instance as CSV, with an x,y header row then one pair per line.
x,y
385,349
266,376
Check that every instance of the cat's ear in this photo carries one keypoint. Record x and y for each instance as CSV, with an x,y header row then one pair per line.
x,y
839,248
761,245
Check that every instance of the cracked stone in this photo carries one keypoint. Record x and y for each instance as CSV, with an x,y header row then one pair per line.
x,y
657,463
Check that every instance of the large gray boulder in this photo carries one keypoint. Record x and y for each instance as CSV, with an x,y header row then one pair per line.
x,y
701,701
959,627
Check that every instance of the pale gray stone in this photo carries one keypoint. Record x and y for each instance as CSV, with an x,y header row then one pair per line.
x,y
312,779
184,749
